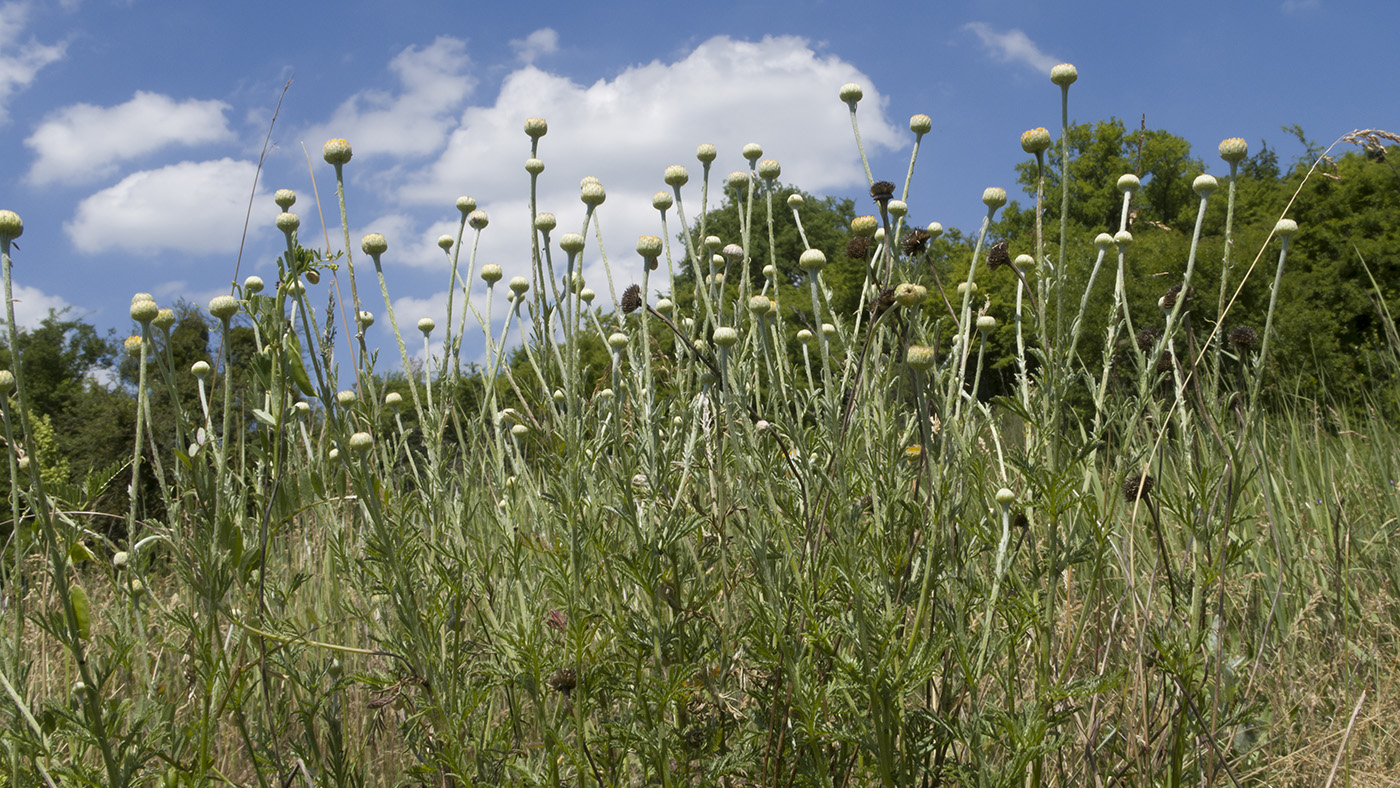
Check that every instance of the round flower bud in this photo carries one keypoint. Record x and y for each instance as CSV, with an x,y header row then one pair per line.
x,y
132,345
7,381
592,194
366,319
769,169
934,229
994,197
1005,497
795,200
491,273
393,399
1128,182
687,323
444,243
253,285
665,306
137,587
426,325
828,329
922,292
758,305
575,282
1123,238
906,295
762,425
897,208
336,151
223,307
519,285
288,222
536,127
200,369
738,179
920,357
1285,228
733,252
726,336
752,151
675,175
1234,149
963,288
478,220
144,311
770,271
986,323
920,124
302,409
534,166
880,234
1204,185
662,201
361,442
558,396
285,198
713,242
295,288
374,244
546,222
345,398
1103,240
706,152
571,243
586,295
1064,74
1036,140
11,226
804,336
865,226
466,204
1024,261
120,559
519,430
617,340
649,246
851,93
605,394
165,318
333,455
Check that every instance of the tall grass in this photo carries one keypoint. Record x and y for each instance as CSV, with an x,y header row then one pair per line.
x,y
715,566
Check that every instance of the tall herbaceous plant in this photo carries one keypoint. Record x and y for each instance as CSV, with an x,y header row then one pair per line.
x,y
707,527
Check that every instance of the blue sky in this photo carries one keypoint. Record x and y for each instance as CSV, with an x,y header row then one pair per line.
x,y
130,131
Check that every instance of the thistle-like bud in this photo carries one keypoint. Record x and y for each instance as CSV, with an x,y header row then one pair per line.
x,y
466,204
1286,228
804,335
361,442
288,222
732,252
1103,240
865,225
426,325
752,151
132,345
200,369
649,246
345,398
770,271
738,179
726,336
920,357
1064,74
662,201
665,306
963,288
478,219
706,152
365,319
1123,238
828,329
592,194
906,294
571,243
491,273
393,399
336,151
994,197
222,307
374,244
851,93
536,127
1128,182
713,242
444,243
285,198
144,311
986,323
519,430
812,260
11,226
1243,338
769,169
897,208
120,559
920,124
546,222
795,200
586,295
617,340
1036,140
534,166
1204,185
1234,149
165,318
519,285
7,381
675,175
758,305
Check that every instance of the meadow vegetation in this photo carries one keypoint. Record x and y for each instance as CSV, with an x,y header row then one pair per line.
x,y
1102,492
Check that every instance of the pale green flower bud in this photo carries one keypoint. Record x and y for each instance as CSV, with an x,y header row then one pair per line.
x,y
906,295
662,201
345,398
758,305
1036,140
285,198
1103,240
592,194
536,127
617,340
649,246
1204,185
665,306
120,560
426,325
897,208
1005,497
374,244
738,179
851,93
726,336
336,151
706,152
769,169
920,357
491,273
253,285
477,220
1123,238
466,204
519,285
519,430
828,329
1128,182
571,243
7,381
444,243
1234,150
11,226
804,336
366,319
144,311
534,166
586,295
1286,228
986,323
770,271
675,175
223,307
865,225
963,288
165,318
994,197
795,200
546,222
752,151
361,442
393,399
920,124
1064,74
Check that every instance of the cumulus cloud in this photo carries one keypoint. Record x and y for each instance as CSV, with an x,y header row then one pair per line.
x,y
83,142
1013,46
413,121
544,41
192,207
32,305
20,62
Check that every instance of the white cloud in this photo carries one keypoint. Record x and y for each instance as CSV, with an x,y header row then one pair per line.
x,y
20,62
32,306
413,121
83,142
195,207
544,41
1013,46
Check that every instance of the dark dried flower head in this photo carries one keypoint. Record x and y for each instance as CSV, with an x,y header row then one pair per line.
x,y
1137,482
1165,362
1173,293
631,299
915,242
882,191
563,680
1244,338
858,247
1147,338
998,256
882,302
1020,521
